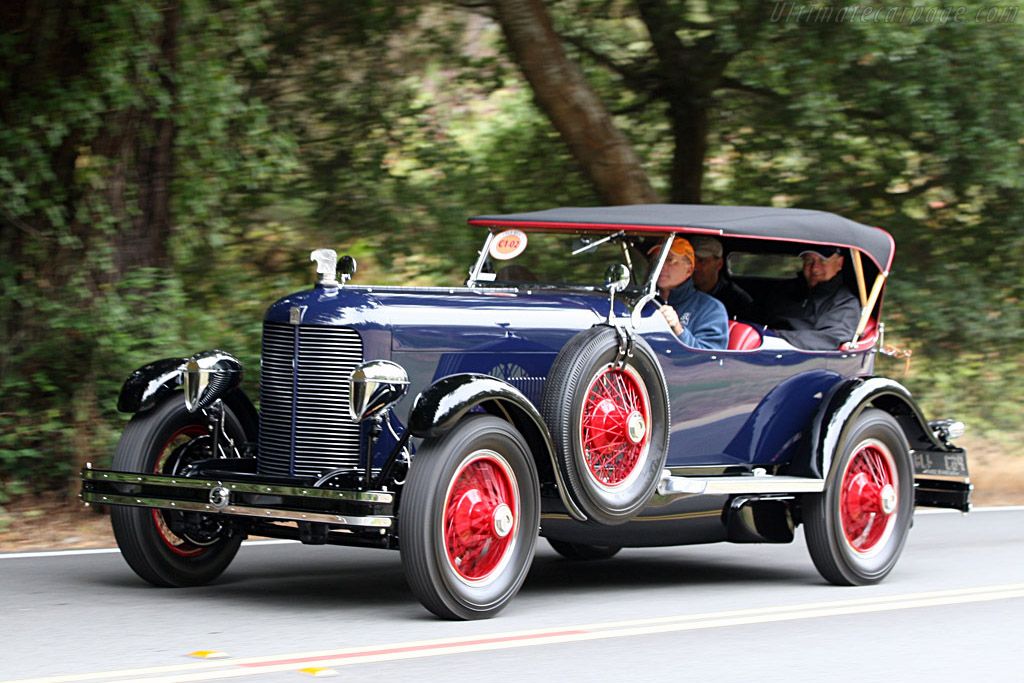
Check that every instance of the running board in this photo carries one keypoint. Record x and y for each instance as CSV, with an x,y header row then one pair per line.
x,y
745,483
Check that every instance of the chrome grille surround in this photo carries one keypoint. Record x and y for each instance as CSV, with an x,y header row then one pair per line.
x,y
305,429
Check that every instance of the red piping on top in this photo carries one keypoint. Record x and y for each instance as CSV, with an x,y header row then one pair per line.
x,y
670,229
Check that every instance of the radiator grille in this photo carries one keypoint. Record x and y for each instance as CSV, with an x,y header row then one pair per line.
x,y
304,424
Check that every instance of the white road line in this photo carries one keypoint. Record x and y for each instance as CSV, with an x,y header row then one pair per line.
x,y
255,666
991,508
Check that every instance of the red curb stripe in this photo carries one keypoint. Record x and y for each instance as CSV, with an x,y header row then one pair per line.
x,y
412,648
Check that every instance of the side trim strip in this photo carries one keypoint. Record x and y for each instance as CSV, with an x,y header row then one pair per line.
x,y
694,486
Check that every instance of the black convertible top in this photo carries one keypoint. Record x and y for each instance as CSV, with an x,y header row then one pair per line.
x,y
754,222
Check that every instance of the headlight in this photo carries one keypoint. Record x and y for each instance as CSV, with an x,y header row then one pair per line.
x,y
375,386
208,376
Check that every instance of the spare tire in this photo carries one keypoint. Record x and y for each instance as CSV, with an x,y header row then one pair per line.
x,y
609,423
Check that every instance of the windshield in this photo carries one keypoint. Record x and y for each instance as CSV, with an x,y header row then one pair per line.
x,y
561,259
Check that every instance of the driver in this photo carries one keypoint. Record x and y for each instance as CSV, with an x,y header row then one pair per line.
x,y
698,319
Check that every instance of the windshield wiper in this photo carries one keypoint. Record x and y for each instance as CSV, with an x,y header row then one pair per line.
x,y
594,245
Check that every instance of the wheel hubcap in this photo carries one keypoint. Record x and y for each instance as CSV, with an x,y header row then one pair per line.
x,y
636,427
869,498
480,517
888,499
614,426
503,520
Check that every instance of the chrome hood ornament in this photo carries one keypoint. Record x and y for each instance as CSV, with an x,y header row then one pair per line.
x,y
326,266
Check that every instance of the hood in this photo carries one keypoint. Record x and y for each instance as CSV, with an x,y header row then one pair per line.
x,y
449,319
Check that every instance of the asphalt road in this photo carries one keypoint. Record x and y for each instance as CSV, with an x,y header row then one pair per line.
x,y
953,609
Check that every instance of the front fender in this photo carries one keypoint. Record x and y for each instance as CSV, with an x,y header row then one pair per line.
x,y
154,382
150,384
440,406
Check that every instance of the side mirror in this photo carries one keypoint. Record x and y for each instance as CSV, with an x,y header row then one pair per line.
x,y
616,278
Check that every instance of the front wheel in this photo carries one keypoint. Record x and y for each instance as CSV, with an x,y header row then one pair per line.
x,y
166,547
857,527
468,519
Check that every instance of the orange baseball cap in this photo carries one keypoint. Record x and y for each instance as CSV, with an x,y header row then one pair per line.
x,y
680,247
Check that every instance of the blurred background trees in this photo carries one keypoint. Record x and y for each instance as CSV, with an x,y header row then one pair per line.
x,y
165,168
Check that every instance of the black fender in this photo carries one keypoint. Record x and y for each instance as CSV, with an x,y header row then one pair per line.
x,y
841,407
154,382
439,407
150,384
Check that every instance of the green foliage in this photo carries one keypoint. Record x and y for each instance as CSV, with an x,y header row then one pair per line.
x,y
86,88
914,127
378,127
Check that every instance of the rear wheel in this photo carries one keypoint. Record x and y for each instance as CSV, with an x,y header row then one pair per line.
x,y
167,547
582,551
857,527
468,519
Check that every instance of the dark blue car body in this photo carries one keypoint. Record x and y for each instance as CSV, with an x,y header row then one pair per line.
x,y
754,440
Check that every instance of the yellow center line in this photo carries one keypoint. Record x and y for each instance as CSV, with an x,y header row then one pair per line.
x,y
254,666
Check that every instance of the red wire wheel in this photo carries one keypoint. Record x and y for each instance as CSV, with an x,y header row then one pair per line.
x,y
614,426
857,527
177,544
468,518
606,405
868,498
481,517
160,440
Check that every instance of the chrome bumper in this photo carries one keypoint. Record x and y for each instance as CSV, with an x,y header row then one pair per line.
x,y
340,508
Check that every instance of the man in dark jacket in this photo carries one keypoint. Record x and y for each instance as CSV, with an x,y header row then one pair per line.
x,y
699,320
708,277
817,311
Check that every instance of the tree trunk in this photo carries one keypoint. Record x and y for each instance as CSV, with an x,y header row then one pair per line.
x,y
602,150
139,143
96,174
690,132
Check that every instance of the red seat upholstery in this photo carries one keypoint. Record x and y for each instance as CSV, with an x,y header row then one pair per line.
x,y
743,337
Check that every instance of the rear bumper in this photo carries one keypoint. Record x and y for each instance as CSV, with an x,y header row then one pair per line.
x,y
941,479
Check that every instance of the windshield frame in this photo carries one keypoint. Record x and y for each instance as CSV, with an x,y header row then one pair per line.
x,y
478,279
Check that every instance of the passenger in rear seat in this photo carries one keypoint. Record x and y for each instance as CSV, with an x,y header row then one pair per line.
x,y
818,311
708,277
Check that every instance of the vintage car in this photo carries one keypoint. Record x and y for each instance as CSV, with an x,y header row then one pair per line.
x,y
545,396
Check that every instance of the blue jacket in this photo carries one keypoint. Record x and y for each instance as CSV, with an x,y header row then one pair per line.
x,y
705,322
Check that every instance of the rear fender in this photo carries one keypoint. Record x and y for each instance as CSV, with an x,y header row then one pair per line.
x,y
439,408
841,407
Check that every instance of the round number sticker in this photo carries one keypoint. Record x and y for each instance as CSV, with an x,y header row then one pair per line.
x,y
508,244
